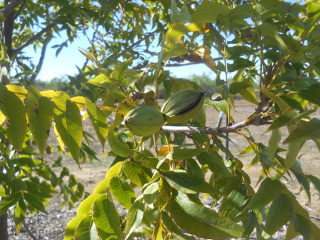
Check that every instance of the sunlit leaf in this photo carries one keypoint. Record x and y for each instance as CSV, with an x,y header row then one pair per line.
x,y
122,191
85,206
71,227
8,202
106,218
40,113
120,148
151,192
99,121
175,32
173,50
112,172
83,229
14,110
134,217
135,173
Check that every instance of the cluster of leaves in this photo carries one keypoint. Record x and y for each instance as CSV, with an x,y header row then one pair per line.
x,y
163,186
163,180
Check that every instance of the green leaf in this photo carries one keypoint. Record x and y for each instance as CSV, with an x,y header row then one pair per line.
x,y
274,142
134,216
120,70
106,218
249,224
36,203
176,15
19,215
174,228
120,148
104,185
288,118
135,173
303,180
151,192
14,110
239,64
122,191
83,229
72,226
188,183
315,181
215,162
85,206
8,202
100,80
99,121
281,211
269,31
68,123
173,50
175,32
302,225
201,221
279,101
208,12
269,190
40,113
305,131
313,10
182,154
311,94
194,168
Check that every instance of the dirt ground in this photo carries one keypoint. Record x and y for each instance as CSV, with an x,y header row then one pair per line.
x,y
52,226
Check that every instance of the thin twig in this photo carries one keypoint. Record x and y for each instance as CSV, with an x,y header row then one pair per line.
x,y
34,37
136,43
29,232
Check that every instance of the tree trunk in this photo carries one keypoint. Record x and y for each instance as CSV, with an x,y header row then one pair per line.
x,y
4,227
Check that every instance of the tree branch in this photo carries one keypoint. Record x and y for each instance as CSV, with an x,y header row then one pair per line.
x,y
34,38
29,232
257,121
9,8
136,43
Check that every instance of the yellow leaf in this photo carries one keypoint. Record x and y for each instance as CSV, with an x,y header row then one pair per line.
x,y
165,149
18,90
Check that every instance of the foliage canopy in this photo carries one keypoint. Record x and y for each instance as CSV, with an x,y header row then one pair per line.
x,y
269,46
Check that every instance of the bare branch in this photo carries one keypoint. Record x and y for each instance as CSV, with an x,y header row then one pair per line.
x,y
136,43
257,121
34,38
7,9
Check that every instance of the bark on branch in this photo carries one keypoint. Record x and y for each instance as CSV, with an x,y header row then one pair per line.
x,y
257,121
34,37
9,8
